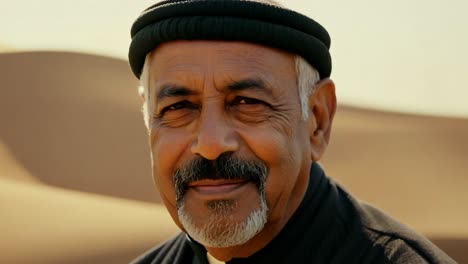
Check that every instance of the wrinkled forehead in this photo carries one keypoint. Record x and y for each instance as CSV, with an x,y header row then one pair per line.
x,y
218,57
195,63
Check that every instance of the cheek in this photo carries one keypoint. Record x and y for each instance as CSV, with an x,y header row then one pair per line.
x,y
286,158
167,148
279,151
280,143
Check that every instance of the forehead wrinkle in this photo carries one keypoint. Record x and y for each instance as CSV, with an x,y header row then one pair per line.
x,y
252,72
247,63
174,64
246,56
183,67
250,63
175,71
174,78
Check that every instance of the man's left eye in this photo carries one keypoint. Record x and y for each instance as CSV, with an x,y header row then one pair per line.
x,y
246,100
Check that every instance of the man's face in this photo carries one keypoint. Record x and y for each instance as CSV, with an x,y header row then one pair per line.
x,y
227,139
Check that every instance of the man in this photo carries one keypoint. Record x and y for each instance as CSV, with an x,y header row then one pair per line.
x,y
239,108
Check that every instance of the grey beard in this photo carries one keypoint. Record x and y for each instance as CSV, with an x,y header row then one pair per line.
x,y
219,231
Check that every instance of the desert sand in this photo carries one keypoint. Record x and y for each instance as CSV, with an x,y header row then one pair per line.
x,y
75,180
44,224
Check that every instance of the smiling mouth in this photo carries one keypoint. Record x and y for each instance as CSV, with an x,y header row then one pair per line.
x,y
216,187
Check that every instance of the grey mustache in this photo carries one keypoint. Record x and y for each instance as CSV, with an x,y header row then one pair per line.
x,y
226,166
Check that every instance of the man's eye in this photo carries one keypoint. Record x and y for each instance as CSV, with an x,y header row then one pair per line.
x,y
178,106
246,100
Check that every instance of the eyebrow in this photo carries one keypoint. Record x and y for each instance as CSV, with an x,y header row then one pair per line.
x,y
170,90
249,84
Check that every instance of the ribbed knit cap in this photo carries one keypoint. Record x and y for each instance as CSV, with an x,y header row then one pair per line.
x,y
229,20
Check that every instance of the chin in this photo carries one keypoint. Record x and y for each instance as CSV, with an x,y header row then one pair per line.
x,y
222,227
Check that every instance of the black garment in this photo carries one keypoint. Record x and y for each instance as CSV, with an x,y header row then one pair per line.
x,y
329,226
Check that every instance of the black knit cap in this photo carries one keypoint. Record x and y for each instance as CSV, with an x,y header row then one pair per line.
x,y
230,20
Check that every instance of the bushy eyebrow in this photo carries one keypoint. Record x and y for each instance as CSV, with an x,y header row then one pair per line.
x,y
249,84
169,90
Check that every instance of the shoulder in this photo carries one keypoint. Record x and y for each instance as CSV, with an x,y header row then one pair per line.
x,y
174,250
399,243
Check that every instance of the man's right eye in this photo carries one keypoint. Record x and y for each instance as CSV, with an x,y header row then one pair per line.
x,y
177,106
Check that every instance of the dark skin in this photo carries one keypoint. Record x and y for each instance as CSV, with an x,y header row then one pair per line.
x,y
212,97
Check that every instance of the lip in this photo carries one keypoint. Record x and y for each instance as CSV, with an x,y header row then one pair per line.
x,y
217,187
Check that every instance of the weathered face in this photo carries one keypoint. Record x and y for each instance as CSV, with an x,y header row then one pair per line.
x,y
225,115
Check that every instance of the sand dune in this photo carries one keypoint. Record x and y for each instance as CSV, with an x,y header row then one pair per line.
x,y
11,169
72,121
413,167
43,224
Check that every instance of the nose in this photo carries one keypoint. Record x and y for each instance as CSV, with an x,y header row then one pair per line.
x,y
215,135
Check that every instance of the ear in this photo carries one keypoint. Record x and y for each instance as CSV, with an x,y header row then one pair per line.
x,y
322,108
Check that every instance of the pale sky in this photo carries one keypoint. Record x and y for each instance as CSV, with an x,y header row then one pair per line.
x,y
399,55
